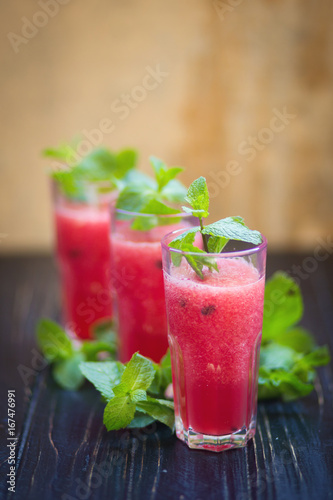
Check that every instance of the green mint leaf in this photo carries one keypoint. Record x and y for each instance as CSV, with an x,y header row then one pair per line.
x,y
195,213
103,375
139,373
119,413
296,338
163,174
184,243
140,420
174,192
154,207
138,395
217,243
139,179
98,165
134,198
70,184
197,196
233,228
158,208
163,376
185,238
53,341
159,409
126,160
320,356
283,305
67,372
276,384
277,357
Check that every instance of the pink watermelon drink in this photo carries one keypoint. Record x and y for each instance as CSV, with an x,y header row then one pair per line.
x,y
214,336
84,260
138,284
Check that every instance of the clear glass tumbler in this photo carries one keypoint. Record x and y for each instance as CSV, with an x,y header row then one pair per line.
x,y
214,333
137,279
82,227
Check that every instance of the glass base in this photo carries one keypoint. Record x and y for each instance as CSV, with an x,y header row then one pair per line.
x,y
200,441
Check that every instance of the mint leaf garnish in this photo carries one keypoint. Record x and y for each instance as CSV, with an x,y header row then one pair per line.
x,y
197,196
163,174
215,236
100,165
288,355
233,228
152,198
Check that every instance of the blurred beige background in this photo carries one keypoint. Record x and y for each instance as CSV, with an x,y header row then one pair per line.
x,y
239,91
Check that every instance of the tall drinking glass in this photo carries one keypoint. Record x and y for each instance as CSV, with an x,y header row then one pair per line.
x,y
137,279
82,228
214,332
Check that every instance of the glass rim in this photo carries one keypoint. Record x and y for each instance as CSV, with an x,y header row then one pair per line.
x,y
140,214
235,253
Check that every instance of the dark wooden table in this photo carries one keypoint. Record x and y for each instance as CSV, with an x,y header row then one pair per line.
x,y
64,452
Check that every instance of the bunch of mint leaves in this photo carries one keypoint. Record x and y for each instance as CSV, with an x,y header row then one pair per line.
x,y
214,236
288,354
134,393
111,170
152,198
65,355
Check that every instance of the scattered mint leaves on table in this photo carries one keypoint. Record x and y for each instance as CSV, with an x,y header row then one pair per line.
x,y
288,354
151,198
127,391
214,236
65,355
101,165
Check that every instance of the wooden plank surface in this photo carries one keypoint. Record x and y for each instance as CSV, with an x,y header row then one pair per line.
x,y
64,452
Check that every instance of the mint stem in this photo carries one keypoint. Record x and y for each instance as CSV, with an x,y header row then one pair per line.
x,y
204,240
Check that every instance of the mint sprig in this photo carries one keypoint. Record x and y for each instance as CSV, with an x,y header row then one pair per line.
x,y
65,355
128,391
99,166
288,355
152,197
214,236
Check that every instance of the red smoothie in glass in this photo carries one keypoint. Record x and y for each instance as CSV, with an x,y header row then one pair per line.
x,y
214,333
83,254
